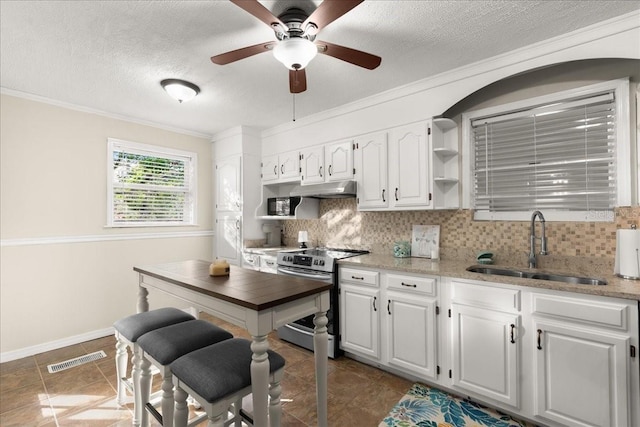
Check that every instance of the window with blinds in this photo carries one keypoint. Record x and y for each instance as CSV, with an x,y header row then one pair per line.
x,y
150,186
559,156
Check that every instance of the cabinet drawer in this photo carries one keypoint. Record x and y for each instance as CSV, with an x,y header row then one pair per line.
x,y
581,310
485,296
422,285
363,277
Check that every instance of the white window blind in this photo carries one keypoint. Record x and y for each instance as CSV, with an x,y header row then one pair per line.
x,y
559,156
150,185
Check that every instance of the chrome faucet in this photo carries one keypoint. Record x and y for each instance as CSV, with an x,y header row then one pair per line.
x,y
533,262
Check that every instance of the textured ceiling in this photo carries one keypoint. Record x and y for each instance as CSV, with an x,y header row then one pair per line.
x,y
111,55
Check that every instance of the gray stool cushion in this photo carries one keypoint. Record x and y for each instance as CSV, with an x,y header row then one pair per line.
x,y
134,326
220,369
167,344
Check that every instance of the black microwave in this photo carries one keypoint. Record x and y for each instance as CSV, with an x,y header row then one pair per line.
x,y
282,206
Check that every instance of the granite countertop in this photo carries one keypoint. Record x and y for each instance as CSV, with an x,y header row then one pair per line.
x,y
616,286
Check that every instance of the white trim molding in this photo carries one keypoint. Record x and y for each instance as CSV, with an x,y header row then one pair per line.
x,y
63,240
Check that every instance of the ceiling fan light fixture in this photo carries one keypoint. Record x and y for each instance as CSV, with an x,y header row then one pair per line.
x,y
181,90
295,53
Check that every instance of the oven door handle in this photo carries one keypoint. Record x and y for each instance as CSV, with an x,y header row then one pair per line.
x,y
300,331
323,277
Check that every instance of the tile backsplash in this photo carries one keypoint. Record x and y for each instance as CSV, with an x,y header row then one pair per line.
x,y
341,225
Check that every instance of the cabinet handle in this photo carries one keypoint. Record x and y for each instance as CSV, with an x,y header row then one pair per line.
x,y
357,278
237,224
409,285
320,171
513,328
374,304
275,169
281,169
396,194
383,195
389,307
539,339
330,170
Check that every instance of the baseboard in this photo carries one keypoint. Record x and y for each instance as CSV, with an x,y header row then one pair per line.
x,y
54,345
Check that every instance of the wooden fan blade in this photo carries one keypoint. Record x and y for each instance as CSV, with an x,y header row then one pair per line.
x,y
353,56
329,11
297,81
259,11
245,52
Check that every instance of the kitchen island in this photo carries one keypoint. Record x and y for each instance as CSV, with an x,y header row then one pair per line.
x,y
258,302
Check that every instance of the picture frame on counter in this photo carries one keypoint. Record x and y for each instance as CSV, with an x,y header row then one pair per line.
x,y
424,240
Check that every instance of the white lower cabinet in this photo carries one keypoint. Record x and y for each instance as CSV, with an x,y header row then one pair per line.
x,y
556,358
583,367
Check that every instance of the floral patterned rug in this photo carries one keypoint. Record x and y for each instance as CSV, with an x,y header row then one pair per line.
x,y
423,406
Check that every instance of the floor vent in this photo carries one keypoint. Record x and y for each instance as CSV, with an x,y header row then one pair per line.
x,y
57,367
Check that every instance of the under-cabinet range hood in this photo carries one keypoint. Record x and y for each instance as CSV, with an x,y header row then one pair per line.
x,y
327,190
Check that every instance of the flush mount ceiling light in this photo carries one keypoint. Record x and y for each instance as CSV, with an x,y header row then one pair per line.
x,y
295,53
181,90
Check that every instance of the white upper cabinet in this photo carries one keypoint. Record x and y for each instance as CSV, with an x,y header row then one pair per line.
x,y
281,167
444,142
339,159
228,184
325,163
370,158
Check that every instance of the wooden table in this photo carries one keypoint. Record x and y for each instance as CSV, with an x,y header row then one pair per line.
x,y
258,302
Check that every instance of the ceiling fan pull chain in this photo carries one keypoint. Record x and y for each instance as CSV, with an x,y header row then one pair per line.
x,y
294,106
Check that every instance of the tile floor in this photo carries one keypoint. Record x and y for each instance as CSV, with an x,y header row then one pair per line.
x,y
359,395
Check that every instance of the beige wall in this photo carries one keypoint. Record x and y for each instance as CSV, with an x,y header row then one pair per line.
x,y
63,273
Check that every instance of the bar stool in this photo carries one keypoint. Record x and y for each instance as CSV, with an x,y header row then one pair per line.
x,y
127,332
164,345
219,376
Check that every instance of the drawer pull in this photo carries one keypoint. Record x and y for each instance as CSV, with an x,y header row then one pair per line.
x,y
539,339
357,277
409,285
513,328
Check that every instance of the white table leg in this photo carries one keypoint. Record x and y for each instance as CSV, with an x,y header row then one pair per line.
x,y
260,380
122,354
320,343
143,302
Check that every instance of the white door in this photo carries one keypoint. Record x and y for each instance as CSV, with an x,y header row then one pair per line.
x,y
312,165
359,308
409,166
485,352
411,326
371,171
339,160
580,375
228,184
228,238
270,168
289,166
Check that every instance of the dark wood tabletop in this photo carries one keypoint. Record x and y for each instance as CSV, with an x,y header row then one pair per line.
x,y
247,288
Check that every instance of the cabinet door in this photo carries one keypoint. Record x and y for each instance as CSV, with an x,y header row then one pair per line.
x,y
485,357
312,165
228,184
228,239
270,168
289,166
371,171
411,328
580,375
409,166
359,322
339,159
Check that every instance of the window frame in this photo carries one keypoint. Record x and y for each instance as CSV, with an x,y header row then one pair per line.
x,y
624,185
191,166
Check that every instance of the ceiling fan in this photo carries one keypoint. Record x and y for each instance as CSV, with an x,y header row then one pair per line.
x,y
296,43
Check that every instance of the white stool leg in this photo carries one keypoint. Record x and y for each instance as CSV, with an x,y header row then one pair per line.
x,y
237,406
167,398
216,421
145,390
181,411
121,368
135,377
275,406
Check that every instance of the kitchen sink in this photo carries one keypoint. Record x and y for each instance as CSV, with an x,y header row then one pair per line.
x,y
536,275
